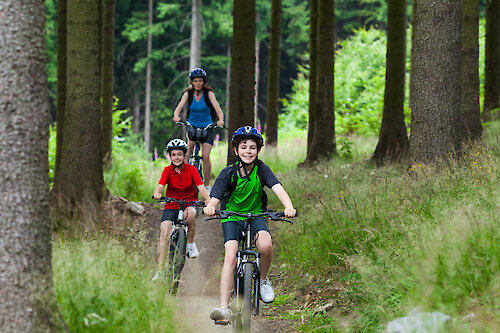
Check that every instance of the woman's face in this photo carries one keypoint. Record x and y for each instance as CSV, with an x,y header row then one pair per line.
x,y
177,156
247,151
197,83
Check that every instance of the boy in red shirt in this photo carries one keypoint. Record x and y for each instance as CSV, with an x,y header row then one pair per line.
x,y
181,180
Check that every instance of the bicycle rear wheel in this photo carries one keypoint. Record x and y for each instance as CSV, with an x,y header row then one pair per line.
x,y
177,257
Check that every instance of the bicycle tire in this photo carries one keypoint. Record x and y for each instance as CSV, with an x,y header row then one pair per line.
x,y
177,258
246,310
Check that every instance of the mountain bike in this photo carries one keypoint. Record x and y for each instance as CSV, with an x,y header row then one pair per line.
x,y
197,134
246,289
178,243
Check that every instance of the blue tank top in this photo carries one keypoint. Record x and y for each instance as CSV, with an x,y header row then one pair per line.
x,y
199,115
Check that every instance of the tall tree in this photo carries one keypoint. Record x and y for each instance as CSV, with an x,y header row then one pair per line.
x,y
273,78
435,118
78,189
242,78
61,76
313,69
393,139
492,61
471,128
195,50
323,142
108,34
28,302
147,111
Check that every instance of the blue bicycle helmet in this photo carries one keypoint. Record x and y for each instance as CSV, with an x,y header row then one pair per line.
x,y
197,72
247,132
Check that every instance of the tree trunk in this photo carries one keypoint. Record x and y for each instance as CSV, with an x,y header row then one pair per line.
x,y
107,79
323,141
147,112
78,188
393,139
492,61
228,89
435,120
313,71
242,79
471,128
61,77
412,58
28,302
195,49
257,81
273,77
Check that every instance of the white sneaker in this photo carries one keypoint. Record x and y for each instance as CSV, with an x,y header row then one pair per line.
x,y
209,188
192,250
266,291
221,316
157,276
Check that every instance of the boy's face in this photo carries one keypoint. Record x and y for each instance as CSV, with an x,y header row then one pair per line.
x,y
247,151
197,83
177,156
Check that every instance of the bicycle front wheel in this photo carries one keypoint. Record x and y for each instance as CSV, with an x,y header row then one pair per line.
x,y
177,258
246,310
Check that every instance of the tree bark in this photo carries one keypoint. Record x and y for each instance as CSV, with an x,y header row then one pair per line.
x,y
78,188
147,103
313,70
471,128
492,61
435,121
28,302
323,142
195,49
107,79
273,77
242,74
61,77
393,140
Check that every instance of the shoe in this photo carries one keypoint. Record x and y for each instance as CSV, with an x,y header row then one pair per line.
x,y
192,250
221,316
209,188
266,291
157,276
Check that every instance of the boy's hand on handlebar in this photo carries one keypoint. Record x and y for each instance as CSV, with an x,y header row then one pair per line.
x,y
157,196
220,123
209,210
290,212
176,119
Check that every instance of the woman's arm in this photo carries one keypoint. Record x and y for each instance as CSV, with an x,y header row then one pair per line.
x,y
285,200
217,108
179,107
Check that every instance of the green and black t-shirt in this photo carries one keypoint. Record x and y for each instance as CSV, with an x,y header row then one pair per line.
x,y
246,193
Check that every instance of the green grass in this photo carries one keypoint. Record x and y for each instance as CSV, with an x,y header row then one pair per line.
x,y
104,286
424,238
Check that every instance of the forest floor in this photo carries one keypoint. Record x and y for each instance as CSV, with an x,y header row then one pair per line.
x,y
200,279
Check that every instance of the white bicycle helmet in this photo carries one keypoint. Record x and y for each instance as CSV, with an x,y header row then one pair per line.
x,y
176,144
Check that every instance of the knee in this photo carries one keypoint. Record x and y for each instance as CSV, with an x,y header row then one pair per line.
x,y
230,260
165,229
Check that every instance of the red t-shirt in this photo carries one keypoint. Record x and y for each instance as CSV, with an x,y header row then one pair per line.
x,y
180,186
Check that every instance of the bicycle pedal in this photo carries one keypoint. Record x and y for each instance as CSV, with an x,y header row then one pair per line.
x,y
223,322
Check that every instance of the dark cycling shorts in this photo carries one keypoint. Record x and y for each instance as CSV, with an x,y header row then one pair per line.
x,y
232,229
173,214
202,135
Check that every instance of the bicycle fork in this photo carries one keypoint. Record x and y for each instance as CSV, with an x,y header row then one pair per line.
x,y
243,256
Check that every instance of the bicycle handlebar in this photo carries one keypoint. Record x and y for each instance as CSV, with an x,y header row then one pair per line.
x,y
212,125
275,216
181,202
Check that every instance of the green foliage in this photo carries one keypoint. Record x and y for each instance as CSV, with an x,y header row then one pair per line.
x,y
359,86
51,46
398,238
104,286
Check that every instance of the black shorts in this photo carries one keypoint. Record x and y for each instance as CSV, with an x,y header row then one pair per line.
x,y
232,229
201,135
173,214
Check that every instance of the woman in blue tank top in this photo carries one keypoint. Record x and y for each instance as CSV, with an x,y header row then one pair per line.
x,y
200,115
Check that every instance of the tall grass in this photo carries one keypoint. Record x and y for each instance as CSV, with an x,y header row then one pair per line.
x,y
104,286
425,237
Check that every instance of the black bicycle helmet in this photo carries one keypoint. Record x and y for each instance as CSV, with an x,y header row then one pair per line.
x,y
197,72
176,144
247,132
